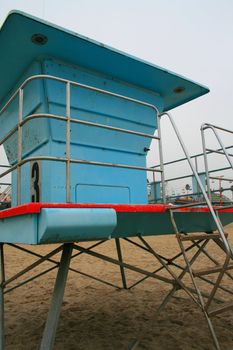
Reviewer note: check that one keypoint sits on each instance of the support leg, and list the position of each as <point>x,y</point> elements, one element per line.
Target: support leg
<point>49,334</point>
<point>119,253</point>
<point>2,280</point>
<point>212,331</point>
<point>166,300</point>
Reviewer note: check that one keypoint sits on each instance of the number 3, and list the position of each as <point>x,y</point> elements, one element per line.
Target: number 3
<point>35,176</point>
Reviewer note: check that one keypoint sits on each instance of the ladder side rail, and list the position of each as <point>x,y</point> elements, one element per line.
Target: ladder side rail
<point>208,202</point>
<point>213,128</point>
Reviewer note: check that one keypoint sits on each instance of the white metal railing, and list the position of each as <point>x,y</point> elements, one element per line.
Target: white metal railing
<point>195,194</point>
<point>213,212</point>
<point>68,120</point>
<point>223,150</point>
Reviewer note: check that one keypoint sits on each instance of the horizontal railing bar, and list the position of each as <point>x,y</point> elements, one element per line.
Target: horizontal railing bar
<point>221,178</point>
<point>79,121</point>
<point>9,134</point>
<point>200,173</point>
<point>78,161</point>
<point>45,76</point>
<point>225,207</point>
<point>8,171</point>
<point>193,156</point>
<point>4,166</point>
<point>186,205</point>
<point>178,196</point>
<point>178,178</point>
<point>9,101</point>
<point>217,170</point>
<point>217,151</point>
<point>207,126</point>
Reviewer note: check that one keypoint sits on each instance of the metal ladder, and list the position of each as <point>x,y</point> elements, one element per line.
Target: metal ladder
<point>199,241</point>
<point>206,301</point>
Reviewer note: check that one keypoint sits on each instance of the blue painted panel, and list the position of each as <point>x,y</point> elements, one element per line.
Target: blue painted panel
<point>55,90</point>
<point>97,107</point>
<point>35,132</point>
<point>87,143</point>
<point>96,144</point>
<point>87,193</point>
<point>46,179</point>
<point>73,224</point>
<point>19,229</point>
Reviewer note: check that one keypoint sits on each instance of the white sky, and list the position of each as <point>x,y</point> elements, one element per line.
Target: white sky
<point>193,38</point>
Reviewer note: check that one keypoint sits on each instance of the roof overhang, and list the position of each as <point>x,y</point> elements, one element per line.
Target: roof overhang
<point>18,50</point>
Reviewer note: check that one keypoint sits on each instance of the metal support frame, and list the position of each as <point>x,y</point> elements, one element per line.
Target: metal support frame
<point>119,253</point>
<point>171,265</point>
<point>49,334</point>
<point>221,270</point>
<point>165,264</point>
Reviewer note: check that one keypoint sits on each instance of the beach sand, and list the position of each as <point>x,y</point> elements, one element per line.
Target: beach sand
<point>95,316</point>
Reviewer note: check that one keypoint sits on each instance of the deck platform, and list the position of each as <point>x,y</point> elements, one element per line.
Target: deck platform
<point>42,223</point>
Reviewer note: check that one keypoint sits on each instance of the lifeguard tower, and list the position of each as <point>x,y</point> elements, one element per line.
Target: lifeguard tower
<point>77,119</point>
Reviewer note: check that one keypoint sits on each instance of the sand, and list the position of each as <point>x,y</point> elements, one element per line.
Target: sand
<point>95,316</point>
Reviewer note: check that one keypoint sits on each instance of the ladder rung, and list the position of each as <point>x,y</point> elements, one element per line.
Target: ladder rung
<point>194,237</point>
<point>214,269</point>
<point>221,308</point>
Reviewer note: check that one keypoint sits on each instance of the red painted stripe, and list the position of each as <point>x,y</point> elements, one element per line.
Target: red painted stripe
<point>35,208</point>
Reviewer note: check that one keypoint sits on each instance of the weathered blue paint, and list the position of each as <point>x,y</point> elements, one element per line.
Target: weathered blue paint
<point>19,229</point>
<point>73,57</point>
<point>73,224</point>
<point>70,56</point>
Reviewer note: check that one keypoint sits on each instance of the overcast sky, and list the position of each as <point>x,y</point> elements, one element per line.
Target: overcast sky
<point>193,38</point>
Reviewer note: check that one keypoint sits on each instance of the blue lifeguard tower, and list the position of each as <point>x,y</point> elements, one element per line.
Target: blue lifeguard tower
<point>77,120</point>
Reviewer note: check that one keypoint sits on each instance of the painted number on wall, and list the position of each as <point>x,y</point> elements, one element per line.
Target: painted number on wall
<point>35,182</point>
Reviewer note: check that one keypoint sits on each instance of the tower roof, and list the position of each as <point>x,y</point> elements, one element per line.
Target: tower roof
<point>24,37</point>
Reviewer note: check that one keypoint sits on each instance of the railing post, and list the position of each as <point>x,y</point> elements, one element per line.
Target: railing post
<point>205,162</point>
<point>161,158</point>
<point>19,146</point>
<point>68,142</point>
